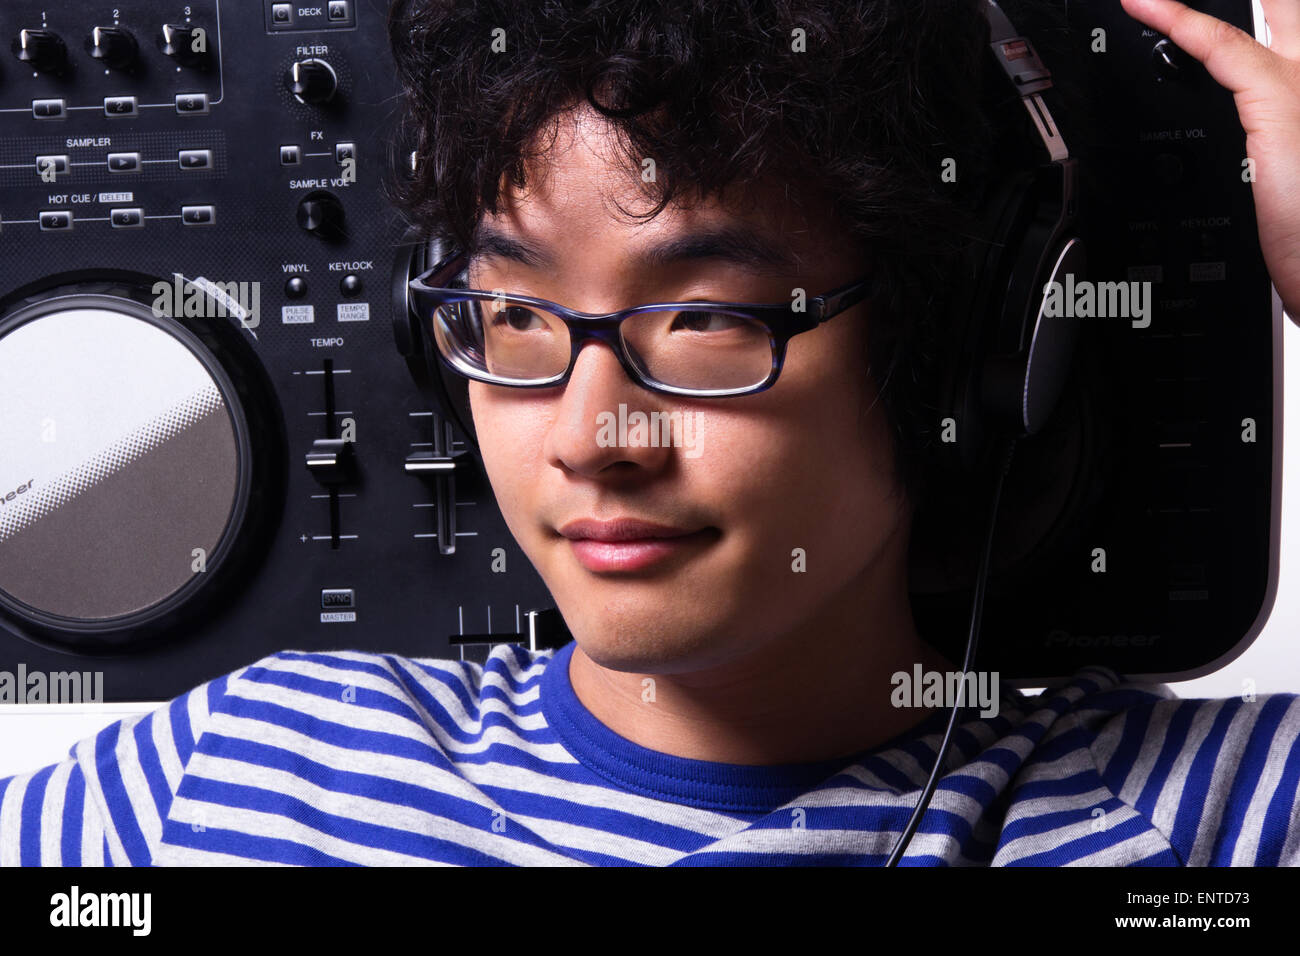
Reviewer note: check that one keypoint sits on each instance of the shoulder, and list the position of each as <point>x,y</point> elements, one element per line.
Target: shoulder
<point>1216,777</point>
<point>292,678</point>
<point>324,703</point>
<point>286,707</point>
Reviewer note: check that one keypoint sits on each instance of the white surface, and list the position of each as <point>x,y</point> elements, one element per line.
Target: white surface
<point>36,735</point>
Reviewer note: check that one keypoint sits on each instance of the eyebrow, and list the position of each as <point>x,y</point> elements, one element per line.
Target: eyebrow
<point>739,246</point>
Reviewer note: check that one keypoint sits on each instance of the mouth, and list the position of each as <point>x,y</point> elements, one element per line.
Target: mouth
<point>627,544</point>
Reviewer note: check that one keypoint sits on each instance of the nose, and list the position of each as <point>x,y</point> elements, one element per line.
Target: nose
<point>590,434</point>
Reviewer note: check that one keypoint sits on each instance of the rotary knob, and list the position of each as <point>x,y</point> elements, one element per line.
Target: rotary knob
<point>115,47</point>
<point>42,50</point>
<point>1170,62</point>
<point>186,44</point>
<point>312,81</point>
<point>321,213</point>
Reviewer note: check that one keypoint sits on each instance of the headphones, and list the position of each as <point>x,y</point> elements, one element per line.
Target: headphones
<point>1006,362</point>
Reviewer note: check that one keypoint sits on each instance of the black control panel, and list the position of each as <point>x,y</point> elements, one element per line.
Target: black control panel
<point>1141,528</point>
<point>211,448</point>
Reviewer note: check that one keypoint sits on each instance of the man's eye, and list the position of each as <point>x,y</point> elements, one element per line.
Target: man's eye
<point>696,321</point>
<point>517,318</point>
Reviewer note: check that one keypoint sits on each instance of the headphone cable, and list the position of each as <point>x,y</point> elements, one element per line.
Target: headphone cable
<point>977,612</point>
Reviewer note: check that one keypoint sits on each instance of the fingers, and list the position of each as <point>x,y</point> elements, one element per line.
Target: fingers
<point>1283,18</point>
<point>1233,57</point>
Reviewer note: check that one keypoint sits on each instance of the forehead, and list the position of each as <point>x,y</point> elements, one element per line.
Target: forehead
<point>584,188</point>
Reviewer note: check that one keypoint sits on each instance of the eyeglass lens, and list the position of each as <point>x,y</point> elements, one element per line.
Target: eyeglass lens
<point>694,349</point>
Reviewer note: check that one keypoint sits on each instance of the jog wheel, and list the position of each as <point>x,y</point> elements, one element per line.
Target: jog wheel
<point>141,460</point>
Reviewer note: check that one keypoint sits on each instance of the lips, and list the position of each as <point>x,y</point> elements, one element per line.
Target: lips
<point>629,544</point>
<point>619,529</point>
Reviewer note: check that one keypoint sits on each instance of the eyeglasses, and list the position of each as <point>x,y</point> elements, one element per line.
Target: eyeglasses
<point>699,349</point>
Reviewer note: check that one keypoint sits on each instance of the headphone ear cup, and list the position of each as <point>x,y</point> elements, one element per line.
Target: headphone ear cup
<point>446,391</point>
<point>975,320</point>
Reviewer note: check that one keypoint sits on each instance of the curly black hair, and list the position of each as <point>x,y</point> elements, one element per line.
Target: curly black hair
<point>865,99</point>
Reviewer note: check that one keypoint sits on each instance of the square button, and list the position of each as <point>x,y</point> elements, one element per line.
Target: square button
<point>338,10</point>
<point>48,109</point>
<point>47,164</point>
<point>191,104</point>
<point>290,155</point>
<point>123,162</point>
<point>344,151</point>
<point>195,158</point>
<point>132,218</point>
<point>197,215</point>
<point>120,106</point>
<point>281,13</point>
<point>337,597</point>
<point>56,220</point>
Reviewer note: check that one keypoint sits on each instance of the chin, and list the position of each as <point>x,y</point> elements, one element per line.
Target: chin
<point>645,638</point>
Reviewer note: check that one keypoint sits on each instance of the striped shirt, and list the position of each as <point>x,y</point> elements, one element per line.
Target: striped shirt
<point>352,758</point>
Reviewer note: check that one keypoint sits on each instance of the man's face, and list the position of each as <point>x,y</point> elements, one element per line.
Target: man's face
<point>787,493</point>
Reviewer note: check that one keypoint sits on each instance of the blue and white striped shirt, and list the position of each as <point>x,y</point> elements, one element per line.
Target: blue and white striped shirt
<point>352,758</point>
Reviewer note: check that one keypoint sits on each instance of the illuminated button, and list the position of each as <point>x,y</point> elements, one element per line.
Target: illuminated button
<point>290,155</point>
<point>338,10</point>
<point>48,109</point>
<point>197,215</point>
<point>126,218</point>
<point>191,104</point>
<point>120,106</point>
<point>195,158</point>
<point>123,162</point>
<point>56,220</point>
<point>58,163</point>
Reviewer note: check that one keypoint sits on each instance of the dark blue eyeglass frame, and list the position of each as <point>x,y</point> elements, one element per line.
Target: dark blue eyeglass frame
<point>429,291</point>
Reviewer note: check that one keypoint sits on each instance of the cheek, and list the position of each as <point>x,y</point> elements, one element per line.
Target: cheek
<point>508,442</point>
<point>819,475</point>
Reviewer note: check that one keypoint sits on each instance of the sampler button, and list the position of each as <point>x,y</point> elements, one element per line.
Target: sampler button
<point>120,106</point>
<point>47,109</point>
<point>195,158</point>
<point>290,155</point>
<point>59,164</point>
<point>197,215</point>
<point>295,287</point>
<point>56,220</point>
<point>127,218</point>
<point>123,162</point>
<point>191,104</point>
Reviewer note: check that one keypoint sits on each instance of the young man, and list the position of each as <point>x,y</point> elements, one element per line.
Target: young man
<point>715,706</point>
